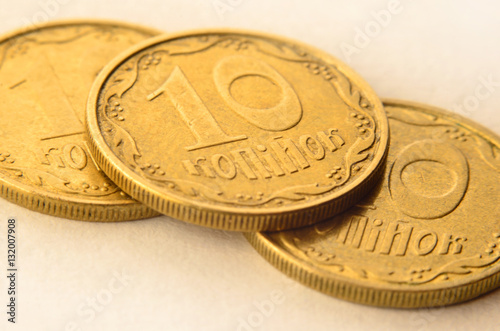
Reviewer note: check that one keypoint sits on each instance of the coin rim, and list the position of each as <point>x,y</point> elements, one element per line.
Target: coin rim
<point>51,203</point>
<point>226,217</point>
<point>381,295</point>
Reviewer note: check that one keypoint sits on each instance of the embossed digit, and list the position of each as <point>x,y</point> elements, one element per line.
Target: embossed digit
<point>200,121</point>
<point>193,111</point>
<point>286,114</point>
<point>447,168</point>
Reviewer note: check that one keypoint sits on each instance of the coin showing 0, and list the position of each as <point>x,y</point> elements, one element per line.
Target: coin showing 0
<point>235,130</point>
<point>45,75</point>
<point>429,233</point>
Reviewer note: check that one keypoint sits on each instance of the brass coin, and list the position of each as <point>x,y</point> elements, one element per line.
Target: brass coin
<point>45,76</point>
<point>429,233</point>
<point>237,130</point>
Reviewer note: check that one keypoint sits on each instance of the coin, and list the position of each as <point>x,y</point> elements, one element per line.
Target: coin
<point>45,75</point>
<point>237,130</point>
<point>429,233</point>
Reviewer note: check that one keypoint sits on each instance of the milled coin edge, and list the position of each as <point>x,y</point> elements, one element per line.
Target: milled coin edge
<point>345,289</point>
<point>50,203</point>
<point>222,217</point>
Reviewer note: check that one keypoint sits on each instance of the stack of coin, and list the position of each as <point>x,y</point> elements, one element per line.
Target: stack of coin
<point>251,132</point>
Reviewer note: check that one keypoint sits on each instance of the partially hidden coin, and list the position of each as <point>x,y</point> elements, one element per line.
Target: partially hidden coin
<point>237,130</point>
<point>429,233</point>
<point>45,76</point>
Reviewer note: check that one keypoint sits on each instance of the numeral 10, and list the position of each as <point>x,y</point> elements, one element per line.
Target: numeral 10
<point>286,114</point>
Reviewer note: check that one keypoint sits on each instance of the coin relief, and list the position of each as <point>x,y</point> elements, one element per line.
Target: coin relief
<point>237,120</point>
<point>45,77</point>
<point>425,234</point>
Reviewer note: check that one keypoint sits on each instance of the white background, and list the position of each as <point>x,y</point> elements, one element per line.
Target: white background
<point>183,277</point>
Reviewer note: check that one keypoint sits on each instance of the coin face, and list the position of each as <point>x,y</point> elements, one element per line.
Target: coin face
<point>236,130</point>
<point>429,233</point>
<point>45,77</point>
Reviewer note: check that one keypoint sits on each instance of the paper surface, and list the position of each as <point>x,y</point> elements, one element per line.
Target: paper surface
<point>163,274</point>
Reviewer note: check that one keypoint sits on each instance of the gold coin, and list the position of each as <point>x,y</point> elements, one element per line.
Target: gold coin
<point>236,130</point>
<point>45,76</point>
<point>429,233</point>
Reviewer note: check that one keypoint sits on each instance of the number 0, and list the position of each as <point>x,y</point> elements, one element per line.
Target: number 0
<point>426,207</point>
<point>284,115</point>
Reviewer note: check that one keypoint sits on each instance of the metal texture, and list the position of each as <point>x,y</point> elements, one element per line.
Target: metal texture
<point>45,75</point>
<point>237,130</point>
<point>429,233</point>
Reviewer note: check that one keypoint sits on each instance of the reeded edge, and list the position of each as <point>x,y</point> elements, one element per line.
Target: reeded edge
<point>381,296</point>
<point>349,290</point>
<point>223,217</point>
<point>80,211</point>
<point>62,206</point>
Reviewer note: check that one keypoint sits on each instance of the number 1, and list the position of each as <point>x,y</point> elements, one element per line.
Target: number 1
<point>193,111</point>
